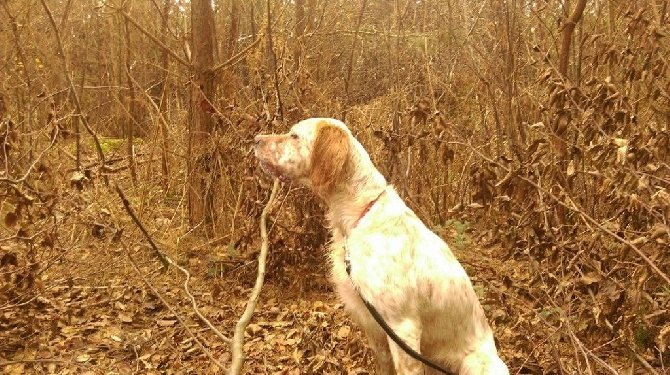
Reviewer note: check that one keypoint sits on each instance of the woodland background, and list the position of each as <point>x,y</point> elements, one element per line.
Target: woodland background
<point>534,136</point>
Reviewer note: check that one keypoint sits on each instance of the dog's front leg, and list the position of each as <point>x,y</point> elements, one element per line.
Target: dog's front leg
<point>410,333</point>
<point>376,336</point>
<point>383,357</point>
<point>377,340</point>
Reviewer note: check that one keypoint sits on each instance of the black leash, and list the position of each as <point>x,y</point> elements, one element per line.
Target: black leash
<point>389,331</point>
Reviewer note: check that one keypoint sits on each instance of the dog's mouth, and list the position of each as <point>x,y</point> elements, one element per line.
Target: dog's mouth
<point>274,171</point>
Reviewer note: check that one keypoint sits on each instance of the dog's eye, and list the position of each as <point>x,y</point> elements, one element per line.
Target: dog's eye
<point>294,136</point>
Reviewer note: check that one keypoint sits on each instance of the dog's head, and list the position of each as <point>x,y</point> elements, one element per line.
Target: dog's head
<point>316,153</point>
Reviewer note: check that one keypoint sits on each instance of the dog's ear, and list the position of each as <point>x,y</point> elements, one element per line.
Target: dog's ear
<point>331,159</point>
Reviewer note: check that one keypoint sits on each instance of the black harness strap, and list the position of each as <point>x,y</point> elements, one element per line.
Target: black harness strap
<point>389,331</point>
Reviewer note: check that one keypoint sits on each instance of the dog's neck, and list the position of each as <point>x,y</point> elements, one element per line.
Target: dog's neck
<point>352,199</point>
<point>367,209</point>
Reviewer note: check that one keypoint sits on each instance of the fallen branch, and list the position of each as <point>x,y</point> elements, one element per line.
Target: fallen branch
<point>237,347</point>
<point>644,363</point>
<point>165,261</point>
<point>172,310</point>
<point>195,305</point>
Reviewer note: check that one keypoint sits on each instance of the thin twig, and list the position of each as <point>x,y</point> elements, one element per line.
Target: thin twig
<point>589,353</point>
<point>195,306</point>
<point>645,364</point>
<point>238,56</point>
<point>237,347</point>
<point>154,39</point>
<point>34,162</point>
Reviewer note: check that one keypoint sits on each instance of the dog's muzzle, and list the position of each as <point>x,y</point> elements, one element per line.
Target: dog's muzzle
<point>260,142</point>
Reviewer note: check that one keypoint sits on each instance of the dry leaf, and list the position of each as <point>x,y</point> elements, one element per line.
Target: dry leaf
<point>125,318</point>
<point>11,219</point>
<point>571,168</point>
<point>622,150</point>
<point>166,322</point>
<point>254,328</point>
<point>343,332</point>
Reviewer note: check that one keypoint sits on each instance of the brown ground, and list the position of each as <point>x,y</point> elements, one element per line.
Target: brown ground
<point>99,316</point>
<point>90,311</point>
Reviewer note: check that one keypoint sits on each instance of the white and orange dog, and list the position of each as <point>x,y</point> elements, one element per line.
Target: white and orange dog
<point>396,263</point>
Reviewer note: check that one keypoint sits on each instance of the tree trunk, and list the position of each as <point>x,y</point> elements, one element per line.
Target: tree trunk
<point>200,163</point>
<point>233,31</point>
<point>350,63</point>
<point>568,28</point>
<point>272,63</point>
<point>300,25</point>
<point>131,118</point>
<point>163,105</point>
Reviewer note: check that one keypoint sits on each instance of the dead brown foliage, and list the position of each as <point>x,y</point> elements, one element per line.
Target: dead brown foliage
<point>552,188</point>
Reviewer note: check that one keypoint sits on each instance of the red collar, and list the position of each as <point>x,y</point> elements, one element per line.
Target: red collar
<point>367,209</point>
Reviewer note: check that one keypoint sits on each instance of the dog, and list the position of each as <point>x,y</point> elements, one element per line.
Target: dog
<point>382,252</point>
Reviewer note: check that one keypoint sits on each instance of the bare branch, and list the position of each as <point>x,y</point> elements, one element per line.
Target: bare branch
<point>75,96</point>
<point>238,339</point>
<point>155,40</point>
<point>195,305</point>
<point>34,163</point>
<point>238,56</point>
<point>166,261</point>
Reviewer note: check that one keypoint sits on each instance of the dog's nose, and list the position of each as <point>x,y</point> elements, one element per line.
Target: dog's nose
<point>258,140</point>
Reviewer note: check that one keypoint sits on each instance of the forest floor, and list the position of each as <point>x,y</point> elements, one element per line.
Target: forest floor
<point>102,321</point>
<point>95,308</point>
